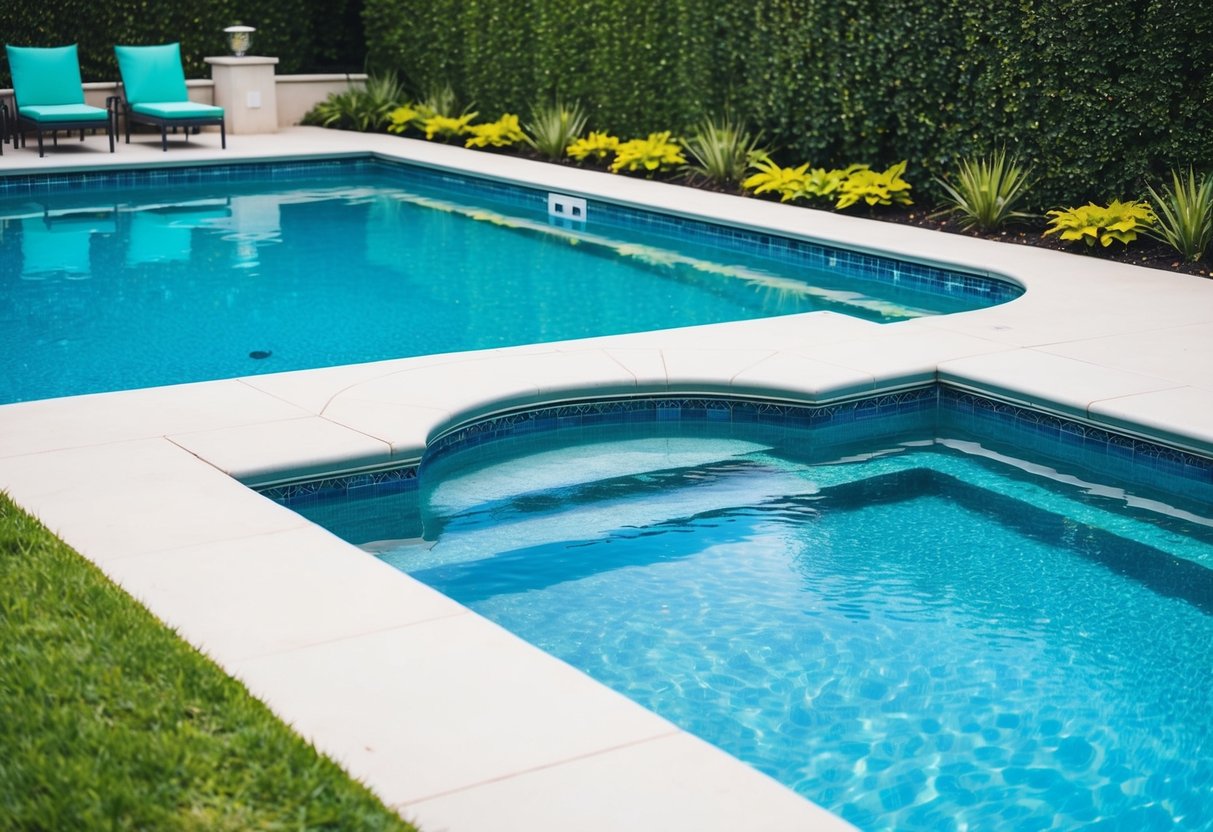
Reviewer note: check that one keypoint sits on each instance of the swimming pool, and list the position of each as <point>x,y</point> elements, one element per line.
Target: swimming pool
<point>143,278</point>
<point>913,626</point>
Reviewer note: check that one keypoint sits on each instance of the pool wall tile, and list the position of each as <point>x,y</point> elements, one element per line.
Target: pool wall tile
<point>971,290</point>
<point>939,409</point>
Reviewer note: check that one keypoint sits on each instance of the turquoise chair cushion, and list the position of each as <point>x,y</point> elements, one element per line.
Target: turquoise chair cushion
<point>178,109</point>
<point>45,75</point>
<point>152,74</point>
<point>63,112</point>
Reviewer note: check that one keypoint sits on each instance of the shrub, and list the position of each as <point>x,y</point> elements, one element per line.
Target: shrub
<point>655,152</point>
<point>503,132</point>
<point>402,118</point>
<point>447,127</point>
<point>874,187</point>
<point>1090,223</point>
<point>789,183</point>
<point>1184,214</point>
<point>554,127</point>
<point>986,191</point>
<point>365,110</point>
<point>824,184</point>
<point>722,150</point>
<point>596,145</point>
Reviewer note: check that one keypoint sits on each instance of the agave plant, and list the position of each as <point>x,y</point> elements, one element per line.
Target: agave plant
<point>553,127</point>
<point>1184,214</point>
<point>723,151</point>
<point>986,191</point>
<point>441,100</point>
<point>365,110</point>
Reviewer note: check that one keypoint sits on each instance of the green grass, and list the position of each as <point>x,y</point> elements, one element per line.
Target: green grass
<point>108,721</point>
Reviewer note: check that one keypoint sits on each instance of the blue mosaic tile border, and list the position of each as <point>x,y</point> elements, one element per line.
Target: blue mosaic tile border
<point>384,481</point>
<point>838,262</point>
<point>1108,452</point>
<point>1137,461</point>
<point>667,410</point>
<point>43,183</point>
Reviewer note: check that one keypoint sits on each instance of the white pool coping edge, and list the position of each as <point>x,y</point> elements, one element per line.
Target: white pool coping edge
<point>454,722</point>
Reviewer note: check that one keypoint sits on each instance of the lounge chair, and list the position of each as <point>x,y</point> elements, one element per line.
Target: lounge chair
<point>153,85</point>
<point>48,95</point>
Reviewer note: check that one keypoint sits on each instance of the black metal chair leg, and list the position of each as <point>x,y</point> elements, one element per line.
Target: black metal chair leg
<point>222,134</point>
<point>164,138</point>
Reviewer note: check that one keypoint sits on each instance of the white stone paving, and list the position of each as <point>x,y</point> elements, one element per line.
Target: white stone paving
<point>454,722</point>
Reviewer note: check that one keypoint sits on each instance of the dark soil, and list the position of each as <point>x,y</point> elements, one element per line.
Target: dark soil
<point>1141,252</point>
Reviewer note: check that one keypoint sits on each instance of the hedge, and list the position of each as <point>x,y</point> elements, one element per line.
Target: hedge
<point>1102,97</point>
<point>302,34</point>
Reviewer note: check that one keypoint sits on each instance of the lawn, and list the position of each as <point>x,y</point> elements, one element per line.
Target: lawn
<point>108,720</point>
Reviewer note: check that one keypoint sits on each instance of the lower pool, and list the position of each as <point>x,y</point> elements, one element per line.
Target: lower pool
<point>917,634</point>
<point>150,277</point>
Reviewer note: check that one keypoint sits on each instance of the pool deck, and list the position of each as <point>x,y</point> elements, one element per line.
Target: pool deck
<point>454,722</point>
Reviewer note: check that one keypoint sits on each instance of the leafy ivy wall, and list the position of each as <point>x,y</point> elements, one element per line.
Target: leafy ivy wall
<point>1101,96</point>
<point>302,34</point>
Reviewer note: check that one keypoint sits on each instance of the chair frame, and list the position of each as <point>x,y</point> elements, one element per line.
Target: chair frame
<point>54,127</point>
<point>129,115</point>
<point>14,125</point>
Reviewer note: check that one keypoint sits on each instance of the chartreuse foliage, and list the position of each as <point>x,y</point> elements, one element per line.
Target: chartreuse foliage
<point>771,177</point>
<point>874,187</point>
<point>986,191</point>
<point>1091,223</point>
<point>1097,95</point>
<point>657,151</point>
<point>596,146</point>
<point>842,186</point>
<point>503,132</point>
<point>447,127</point>
<point>1184,213</point>
<point>111,722</point>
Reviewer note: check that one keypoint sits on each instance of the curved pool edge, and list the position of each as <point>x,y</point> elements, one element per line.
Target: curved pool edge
<point>139,483</point>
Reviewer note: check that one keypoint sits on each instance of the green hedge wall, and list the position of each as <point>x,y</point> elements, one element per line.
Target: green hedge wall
<point>1100,96</point>
<point>302,34</point>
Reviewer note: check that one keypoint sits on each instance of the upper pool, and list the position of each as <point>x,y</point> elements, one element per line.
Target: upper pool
<point>141,278</point>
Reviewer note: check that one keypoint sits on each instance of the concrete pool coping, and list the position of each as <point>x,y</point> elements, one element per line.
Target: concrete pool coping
<point>449,719</point>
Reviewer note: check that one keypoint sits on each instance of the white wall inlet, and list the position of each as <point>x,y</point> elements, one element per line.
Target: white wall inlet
<point>565,207</point>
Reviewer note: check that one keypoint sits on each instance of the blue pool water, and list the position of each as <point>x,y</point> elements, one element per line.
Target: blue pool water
<point>931,637</point>
<point>160,280</point>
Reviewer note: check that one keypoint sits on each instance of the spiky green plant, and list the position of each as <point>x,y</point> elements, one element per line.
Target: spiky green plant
<point>1184,214</point>
<point>441,100</point>
<point>365,110</point>
<point>986,191</point>
<point>723,150</point>
<point>554,126</point>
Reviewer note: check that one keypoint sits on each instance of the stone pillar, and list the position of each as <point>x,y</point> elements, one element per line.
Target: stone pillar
<point>245,89</point>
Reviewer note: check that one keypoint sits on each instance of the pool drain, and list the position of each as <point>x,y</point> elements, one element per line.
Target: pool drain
<point>260,354</point>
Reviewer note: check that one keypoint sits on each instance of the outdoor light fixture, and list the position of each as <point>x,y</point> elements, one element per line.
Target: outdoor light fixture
<point>239,39</point>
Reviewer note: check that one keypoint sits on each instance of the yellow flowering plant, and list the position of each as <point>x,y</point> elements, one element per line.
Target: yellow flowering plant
<point>655,152</point>
<point>789,183</point>
<point>1090,223</point>
<point>402,118</point>
<point>874,187</point>
<point>597,146</point>
<point>503,132</point>
<point>447,127</point>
